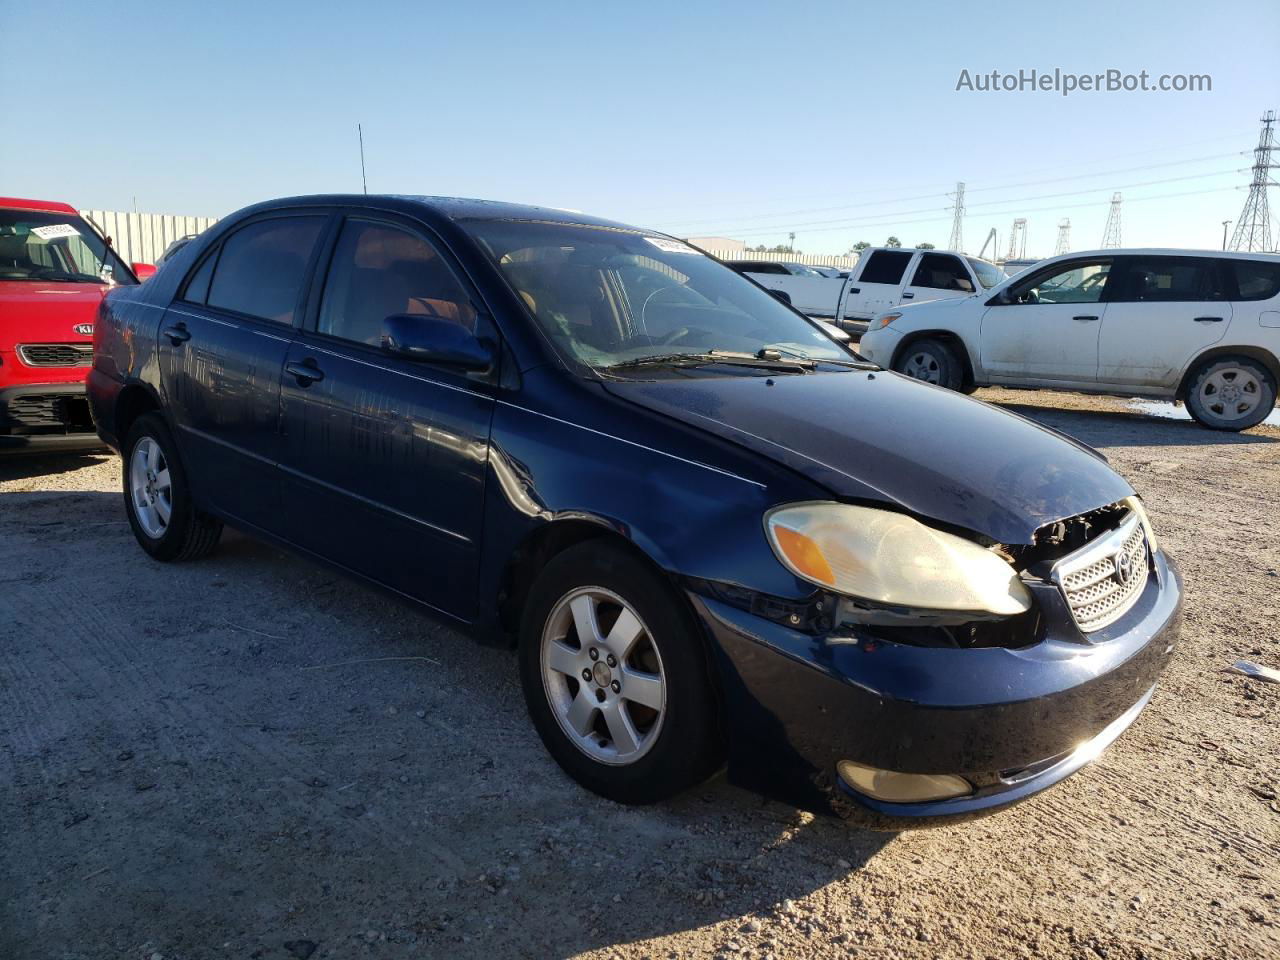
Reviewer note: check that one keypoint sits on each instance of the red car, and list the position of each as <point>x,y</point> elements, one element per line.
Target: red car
<point>54,271</point>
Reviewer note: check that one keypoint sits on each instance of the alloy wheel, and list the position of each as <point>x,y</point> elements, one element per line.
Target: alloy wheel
<point>1231,393</point>
<point>151,488</point>
<point>923,366</point>
<point>603,676</point>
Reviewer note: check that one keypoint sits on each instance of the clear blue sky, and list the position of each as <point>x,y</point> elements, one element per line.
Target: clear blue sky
<point>839,121</point>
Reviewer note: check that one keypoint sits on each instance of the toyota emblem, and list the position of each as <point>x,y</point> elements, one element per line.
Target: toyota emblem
<point>84,329</point>
<point>1124,569</point>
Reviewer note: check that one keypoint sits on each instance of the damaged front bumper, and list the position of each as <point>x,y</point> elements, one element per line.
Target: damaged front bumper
<point>1011,722</point>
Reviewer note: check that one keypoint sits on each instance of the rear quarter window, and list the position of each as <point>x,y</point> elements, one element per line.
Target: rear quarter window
<point>1256,279</point>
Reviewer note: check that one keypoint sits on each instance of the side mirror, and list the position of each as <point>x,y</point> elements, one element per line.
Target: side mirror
<point>436,340</point>
<point>143,271</point>
<point>781,295</point>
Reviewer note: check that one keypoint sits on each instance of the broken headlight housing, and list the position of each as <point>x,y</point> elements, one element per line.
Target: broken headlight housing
<point>893,568</point>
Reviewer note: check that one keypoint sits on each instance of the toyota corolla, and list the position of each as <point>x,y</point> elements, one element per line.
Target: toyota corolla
<point>614,453</point>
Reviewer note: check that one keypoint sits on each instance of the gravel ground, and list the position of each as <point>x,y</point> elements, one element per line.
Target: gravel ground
<point>250,756</point>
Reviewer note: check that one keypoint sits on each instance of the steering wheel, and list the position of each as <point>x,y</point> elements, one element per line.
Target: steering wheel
<point>675,336</point>
<point>649,299</point>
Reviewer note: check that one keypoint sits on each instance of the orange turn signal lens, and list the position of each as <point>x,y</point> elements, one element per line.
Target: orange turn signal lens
<point>804,555</point>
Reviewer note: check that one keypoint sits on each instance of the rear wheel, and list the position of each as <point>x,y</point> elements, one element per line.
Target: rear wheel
<point>1231,393</point>
<point>165,521</point>
<point>932,361</point>
<point>615,676</point>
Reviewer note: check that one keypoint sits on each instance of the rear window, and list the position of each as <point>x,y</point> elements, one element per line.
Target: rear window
<point>886,266</point>
<point>1256,279</point>
<point>751,266</point>
<point>262,267</point>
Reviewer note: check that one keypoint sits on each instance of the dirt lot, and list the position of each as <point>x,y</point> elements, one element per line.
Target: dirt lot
<point>250,756</point>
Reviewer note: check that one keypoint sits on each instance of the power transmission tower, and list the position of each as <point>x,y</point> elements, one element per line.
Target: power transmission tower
<point>1253,228</point>
<point>1017,239</point>
<point>1064,237</point>
<point>957,223</point>
<point>1111,235</point>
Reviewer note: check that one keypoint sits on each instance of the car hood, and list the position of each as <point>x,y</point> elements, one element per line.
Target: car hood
<point>947,303</point>
<point>32,311</point>
<point>882,437</point>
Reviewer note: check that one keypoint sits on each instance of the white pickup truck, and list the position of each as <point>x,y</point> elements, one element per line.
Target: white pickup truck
<point>883,278</point>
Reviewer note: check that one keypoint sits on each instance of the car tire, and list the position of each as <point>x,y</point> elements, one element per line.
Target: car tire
<point>636,721</point>
<point>157,498</point>
<point>1231,393</point>
<point>931,361</point>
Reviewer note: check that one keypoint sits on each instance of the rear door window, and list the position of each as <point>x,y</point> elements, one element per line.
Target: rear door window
<point>886,266</point>
<point>263,266</point>
<point>942,272</point>
<point>1170,280</point>
<point>1256,279</point>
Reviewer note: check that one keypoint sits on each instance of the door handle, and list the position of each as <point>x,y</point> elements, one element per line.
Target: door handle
<point>1086,318</point>
<point>306,373</point>
<point>1208,319</point>
<point>177,333</point>
<point>854,290</point>
<point>908,296</point>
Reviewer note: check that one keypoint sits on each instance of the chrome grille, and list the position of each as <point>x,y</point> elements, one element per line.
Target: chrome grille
<point>56,354</point>
<point>1105,577</point>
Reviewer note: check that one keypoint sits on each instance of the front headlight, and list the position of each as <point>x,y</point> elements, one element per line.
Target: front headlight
<point>889,558</point>
<point>885,319</point>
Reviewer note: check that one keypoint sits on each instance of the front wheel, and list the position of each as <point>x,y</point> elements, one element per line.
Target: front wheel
<point>615,676</point>
<point>165,521</point>
<point>933,362</point>
<point>1231,393</point>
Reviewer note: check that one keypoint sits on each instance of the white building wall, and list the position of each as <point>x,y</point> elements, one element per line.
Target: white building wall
<point>142,237</point>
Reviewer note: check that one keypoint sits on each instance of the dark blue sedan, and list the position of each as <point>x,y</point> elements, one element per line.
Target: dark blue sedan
<point>713,534</point>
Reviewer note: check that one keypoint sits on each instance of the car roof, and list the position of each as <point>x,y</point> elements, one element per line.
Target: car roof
<point>1161,252</point>
<point>455,208</point>
<point>17,203</point>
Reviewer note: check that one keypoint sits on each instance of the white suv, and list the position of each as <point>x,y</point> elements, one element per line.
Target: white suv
<point>1201,327</point>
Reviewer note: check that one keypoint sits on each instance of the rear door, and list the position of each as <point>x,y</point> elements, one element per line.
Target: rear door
<point>938,276</point>
<point>222,345</point>
<point>1163,312</point>
<point>1049,330</point>
<point>878,283</point>
<point>383,458</point>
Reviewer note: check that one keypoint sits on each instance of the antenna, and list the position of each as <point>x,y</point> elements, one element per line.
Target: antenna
<point>1064,237</point>
<point>957,223</point>
<point>1253,227</point>
<point>1111,234</point>
<point>363,182</point>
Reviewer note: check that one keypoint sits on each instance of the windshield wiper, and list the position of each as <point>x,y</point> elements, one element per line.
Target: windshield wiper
<point>770,359</point>
<point>853,364</point>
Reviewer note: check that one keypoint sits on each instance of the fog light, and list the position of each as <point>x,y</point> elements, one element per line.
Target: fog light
<point>894,787</point>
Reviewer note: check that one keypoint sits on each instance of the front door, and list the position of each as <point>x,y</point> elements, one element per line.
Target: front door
<point>383,458</point>
<point>1048,331</point>
<point>222,345</point>
<point>1163,312</point>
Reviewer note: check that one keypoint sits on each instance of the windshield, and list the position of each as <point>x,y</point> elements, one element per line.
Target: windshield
<point>60,247</point>
<point>607,296</point>
<point>988,274</point>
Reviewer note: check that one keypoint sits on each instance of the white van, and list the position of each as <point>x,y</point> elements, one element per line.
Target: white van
<point>1201,327</point>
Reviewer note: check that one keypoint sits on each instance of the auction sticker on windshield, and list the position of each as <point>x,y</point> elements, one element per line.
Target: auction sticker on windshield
<point>670,246</point>
<point>54,230</point>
